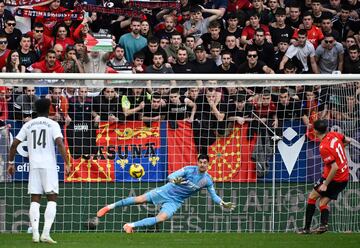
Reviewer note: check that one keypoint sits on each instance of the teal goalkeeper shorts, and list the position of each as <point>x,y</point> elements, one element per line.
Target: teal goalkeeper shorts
<point>168,206</point>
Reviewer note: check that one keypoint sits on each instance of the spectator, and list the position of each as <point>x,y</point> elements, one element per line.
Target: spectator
<point>40,43</point>
<point>149,50</point>
<point>215,52</point>
<point>164,42</point>
<point>260,10</point>
<point>12,34</point>
<point>133,103</point>
<point>318,12</point>
<point>352,62</point>
<point>169,29</point>
<point>330,55</point>
<point>313,33</point>
<point>4,52</point>
<point>49,65</point>
<point>118,63</point>
<point>4,14</point>
<point>201,63</point>
<point>13,63</point>
<point>175,44</point>
<point>138,63</point>
<point>59,107</point>
<point>71,64</point>
<point>233,27</point>
<point>97,62</point>
<point>145,29</point>
<point>227,65</point>
<point>158,65</point>
<point>343,24</point>
<point>190,42</point>
<point>107,107</point>
<point>287,108</point>
<point>153,110</point>
<point>3,104</point>
<point>214,35</point>
<point>253,65</point>
<point>132,42</point>
<point>327,28</point>
<point>81,132</point>
<point>303,51</point>
<point>282,46</point>
<point>248,32</point>
<point>197,25</point>
<point>59,52</point>
<point>264,49</point>
<point>182,64</point>
<point>177,108</point>
<point>238,56</point>
<point>62,37</point>
<point>24,105</point>
<point>294,19</point>
<point>27,56</point>
<point>280,29</point>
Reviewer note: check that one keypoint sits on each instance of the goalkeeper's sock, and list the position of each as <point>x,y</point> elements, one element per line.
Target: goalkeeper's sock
<point>50,213</point>
<point>34,214</point>
<point>124,202</point>
<point>324,215</point>
<point>145,222</point>
<point>310,210</point>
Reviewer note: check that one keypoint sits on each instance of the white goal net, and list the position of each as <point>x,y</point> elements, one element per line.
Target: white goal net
<point>256,129</point>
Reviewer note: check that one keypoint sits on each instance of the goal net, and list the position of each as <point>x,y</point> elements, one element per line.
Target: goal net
<point>256,129</point>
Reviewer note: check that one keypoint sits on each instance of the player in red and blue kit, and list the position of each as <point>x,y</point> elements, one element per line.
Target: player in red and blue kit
<point>334,178</point>
<point>182,184</point>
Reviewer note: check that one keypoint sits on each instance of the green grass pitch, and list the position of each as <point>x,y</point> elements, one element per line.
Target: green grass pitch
<point>196,240</point>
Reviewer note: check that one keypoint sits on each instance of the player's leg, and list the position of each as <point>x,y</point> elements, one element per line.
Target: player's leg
<point>310,210</point>
<point>324,215</point>
<point>51,188</point>
<point>124,202</point>
<point>167,211</point>
<point>35,190</point>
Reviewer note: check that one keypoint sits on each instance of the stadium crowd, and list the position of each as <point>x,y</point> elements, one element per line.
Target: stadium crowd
<point>219,36</point>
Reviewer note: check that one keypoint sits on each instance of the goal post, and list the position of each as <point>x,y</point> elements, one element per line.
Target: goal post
<point>256,129</point>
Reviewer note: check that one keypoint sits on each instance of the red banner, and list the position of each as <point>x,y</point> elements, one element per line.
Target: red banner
<point>118,145</point>
<point>230,157</point>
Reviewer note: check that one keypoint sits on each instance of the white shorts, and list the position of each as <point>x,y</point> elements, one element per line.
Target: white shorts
<point>43,180</point>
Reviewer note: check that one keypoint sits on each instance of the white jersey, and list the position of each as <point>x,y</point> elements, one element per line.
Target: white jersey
<point>41,134</point>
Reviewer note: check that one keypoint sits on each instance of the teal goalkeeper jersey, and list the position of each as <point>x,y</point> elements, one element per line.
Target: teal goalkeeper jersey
<point>193,182</point>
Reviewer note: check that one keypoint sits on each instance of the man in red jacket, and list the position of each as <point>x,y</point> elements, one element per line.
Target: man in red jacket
<point>49,65</point>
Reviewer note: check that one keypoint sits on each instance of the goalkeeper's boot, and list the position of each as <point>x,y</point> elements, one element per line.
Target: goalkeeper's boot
<point>103,211</point>
<point>304,231</point>
<point>47,239</point>
<point>128,229</point>
<point>321,229</point>
<point>36,237</point>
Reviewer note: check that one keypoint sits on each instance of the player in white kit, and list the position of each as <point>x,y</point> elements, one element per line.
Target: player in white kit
<point>41,134</point>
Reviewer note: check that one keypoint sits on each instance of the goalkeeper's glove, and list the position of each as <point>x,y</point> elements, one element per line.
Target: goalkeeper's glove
<point>227,205</point>
<point>177,180</point>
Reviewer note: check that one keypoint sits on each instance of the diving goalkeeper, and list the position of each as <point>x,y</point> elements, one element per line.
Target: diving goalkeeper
<point>182,184</point>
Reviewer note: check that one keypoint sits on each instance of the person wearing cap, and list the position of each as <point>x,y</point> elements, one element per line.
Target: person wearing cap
<point>197,25</point>
<point>280,29</point>
<point>201,63</point>
<point>175,44</point>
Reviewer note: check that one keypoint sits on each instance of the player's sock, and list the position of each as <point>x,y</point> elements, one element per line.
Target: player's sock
<point>145,222</point>
<point>324,216</point>
<point>50,213</point>
<point>34,213</point>
<point>310,210</point>
<point>124,202</point>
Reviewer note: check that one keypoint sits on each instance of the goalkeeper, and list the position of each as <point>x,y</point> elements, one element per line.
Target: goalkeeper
<point>182,184</point>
